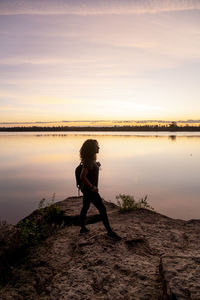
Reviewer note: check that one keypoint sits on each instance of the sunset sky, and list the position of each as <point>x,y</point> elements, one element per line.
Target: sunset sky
<point>99,60</point>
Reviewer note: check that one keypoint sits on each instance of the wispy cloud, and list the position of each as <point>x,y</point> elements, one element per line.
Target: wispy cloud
<point>12,61</point>
<point>92,7</point>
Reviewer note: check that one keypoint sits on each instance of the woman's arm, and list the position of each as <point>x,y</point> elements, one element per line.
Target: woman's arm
<point>84,179</point>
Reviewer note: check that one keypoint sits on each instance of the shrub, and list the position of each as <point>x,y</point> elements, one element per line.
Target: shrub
<point>128,203</point>
<point>48,219</point>
<point>30,232</point>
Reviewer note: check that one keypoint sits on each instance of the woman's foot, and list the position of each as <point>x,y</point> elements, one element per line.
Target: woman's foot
<point>114,235</point>
<point>83,230</point>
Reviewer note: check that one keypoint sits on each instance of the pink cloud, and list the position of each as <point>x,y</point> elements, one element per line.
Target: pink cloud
<point>92,7</point>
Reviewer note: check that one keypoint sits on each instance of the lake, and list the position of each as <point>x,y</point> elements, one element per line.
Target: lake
<point>162,165</point>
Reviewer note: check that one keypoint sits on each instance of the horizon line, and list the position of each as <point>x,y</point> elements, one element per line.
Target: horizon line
<point>104,120</point>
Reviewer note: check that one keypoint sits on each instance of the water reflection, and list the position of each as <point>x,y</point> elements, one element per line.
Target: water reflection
<point>34,166</point>
<point>172,137</point>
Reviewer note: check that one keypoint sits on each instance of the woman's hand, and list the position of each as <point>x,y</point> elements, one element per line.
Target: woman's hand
<point>95,189</point>
<point>84,179</point>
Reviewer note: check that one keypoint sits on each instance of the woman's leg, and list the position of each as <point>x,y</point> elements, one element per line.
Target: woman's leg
<point>98,203</point>
<point>83,213</point>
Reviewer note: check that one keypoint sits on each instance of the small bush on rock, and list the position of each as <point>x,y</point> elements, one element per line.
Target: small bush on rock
<point>128,203</point>
<point>48,219</point>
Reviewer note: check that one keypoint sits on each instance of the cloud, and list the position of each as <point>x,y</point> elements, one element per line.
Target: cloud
<point>12,61</point>
<point>92,7</point>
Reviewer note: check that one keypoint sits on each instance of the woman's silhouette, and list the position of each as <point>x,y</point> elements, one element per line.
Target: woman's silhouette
<point>89,178</point>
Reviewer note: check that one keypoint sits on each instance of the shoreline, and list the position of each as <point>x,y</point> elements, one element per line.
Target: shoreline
<point>103,128</point>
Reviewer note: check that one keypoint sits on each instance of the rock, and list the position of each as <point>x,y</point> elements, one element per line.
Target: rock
<point>9,245</point>
<point>157,258</point>
<point>181,276</point>
<point>72,207</point>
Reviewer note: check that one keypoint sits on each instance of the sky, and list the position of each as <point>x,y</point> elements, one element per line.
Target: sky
<point>99,60</point>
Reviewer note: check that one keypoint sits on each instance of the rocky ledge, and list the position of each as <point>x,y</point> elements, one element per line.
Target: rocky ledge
<point>157,258</point>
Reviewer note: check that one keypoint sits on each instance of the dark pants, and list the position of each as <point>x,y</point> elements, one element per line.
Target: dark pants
<point>94,198</point>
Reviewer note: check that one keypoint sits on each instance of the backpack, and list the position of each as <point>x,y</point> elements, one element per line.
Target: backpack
<point>79,183</point>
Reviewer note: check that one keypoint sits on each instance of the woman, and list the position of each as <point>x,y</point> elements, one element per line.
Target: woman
<point>89,178</point>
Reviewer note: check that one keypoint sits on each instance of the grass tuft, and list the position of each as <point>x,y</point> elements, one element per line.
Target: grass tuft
<point>48,220</point>
<point>128,203</point>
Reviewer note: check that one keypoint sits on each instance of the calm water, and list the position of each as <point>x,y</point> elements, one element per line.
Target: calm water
<point>164,167</point>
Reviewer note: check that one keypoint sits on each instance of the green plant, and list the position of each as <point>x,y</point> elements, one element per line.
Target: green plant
<point>50,211</point>
<point>44,203</point>
<point>3,223</point>
<point>128,203</point>
<point>49,218</point>
<point>30,232</point>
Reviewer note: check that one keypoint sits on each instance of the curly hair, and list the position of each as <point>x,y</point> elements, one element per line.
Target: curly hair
<point>88,149</point>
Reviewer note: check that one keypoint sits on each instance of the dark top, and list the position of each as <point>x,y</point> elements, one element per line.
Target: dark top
<point>92,175</point>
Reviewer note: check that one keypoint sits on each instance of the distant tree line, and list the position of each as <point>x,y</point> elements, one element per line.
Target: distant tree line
<point>171,127</point>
